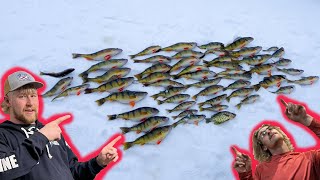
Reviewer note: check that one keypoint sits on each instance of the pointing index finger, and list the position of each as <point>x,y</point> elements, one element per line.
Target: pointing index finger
<point>284,103</point>
<point>114,141</point>
<point>236,151</point>
<point>61,119</point>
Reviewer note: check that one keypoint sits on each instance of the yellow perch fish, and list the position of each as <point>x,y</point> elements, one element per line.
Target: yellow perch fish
<point>205,83</point>
<point>199,75</point>
<point>189,70</point>
<point>58,87</point>
<point>255,60</point>
<point>166,83</point>
<point>179,98</point>
<point>155,136</point>
<point>154,77</point>
<point>185,62</point>
<point>215,108</point>
<point>284,90</point>
<point>305,80</point>
<point>238,84</point>
<point>77,90</point>
<point>126,97</point>
<point>188,53</point>
<point>180,46</point>
<point>246,52</point>
<point>170,92</point>
<point>154,59</point>
<point>140,114</point>
<point>271,49</point>
<point>211,90</point>
<point>291,71</point>
<point>185,113</point>
<point>243,92</point>
<point>116,85</point>
<point>154,68</point>
<point>212,45</point>
<point>238,43</point>
<point>147,125</point>
<point>102,55</point>
<point>278,53</point>
<point>193,119</point>
<point>104,65</point>
<point>148,50</point>
<point>270,81</point>
<point>109,75</point>
<point>214,101</point>
<point>183,106</point>
<point>248,100</point>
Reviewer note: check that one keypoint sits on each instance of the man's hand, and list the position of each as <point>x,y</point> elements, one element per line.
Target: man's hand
<point>52,130</point>
<point>108,153</point>
<point>242,162</point>
<point>297,113</point>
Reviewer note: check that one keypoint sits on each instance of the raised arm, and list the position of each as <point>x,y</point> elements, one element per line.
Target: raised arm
<point>298,113</point>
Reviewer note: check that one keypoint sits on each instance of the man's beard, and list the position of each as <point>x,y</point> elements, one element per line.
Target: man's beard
<point>24,119</point>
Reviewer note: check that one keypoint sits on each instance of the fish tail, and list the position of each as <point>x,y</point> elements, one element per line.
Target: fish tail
<point>137,61</point>
<point>195,97</point>
<point>256,87</point>
<point>85,80</point>
<point>75,55</point>
<point>155,96</point>
<point>112,117</point>
<point>132,56</point>
<point>88,91</point>
<point>238,105</point>
<point>200,108</point>
<point>125,130</point>
<point>174,117</point>
<point>55,98</point>
<point>138,76</point>
<point>177,123</point>
<point>127,145</point>
<point>228,98</point>
<point>208,120</point>
<point>169,110</point>
<point>175,77</point>
<point>100,101</point>
<point>83,74</point>
<point>290,81</point>
<point>200,104</point>
<point>42,73</point>
<point>159,102</point>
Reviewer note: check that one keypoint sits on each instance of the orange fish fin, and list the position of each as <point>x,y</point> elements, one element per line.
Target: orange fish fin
<point>158,142</point>
<point>186,48</point>
<point>78,92</point>
<point>107,57</point>
<point>278,84</point>
<point>89,59</point>
<point>120,89</point>
<point>132,103</point>
<point>138,131</point>
<point>199,68</point>
<point>204,77</point>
